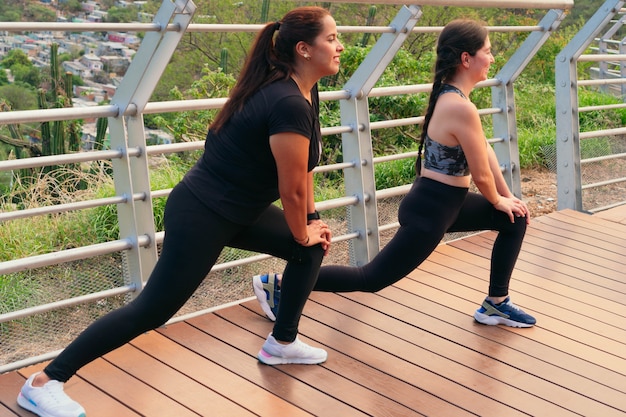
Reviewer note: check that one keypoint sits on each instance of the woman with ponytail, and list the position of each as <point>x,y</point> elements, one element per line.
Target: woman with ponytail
<point>455,152</point>
<point>261,147</point>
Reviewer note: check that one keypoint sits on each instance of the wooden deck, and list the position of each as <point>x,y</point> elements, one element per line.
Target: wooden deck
<point>411,349</point>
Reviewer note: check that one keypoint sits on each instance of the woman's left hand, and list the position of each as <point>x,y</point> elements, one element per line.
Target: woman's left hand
<point>320,230</point>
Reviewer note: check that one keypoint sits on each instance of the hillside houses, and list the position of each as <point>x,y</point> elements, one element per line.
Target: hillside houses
<point>98,56</point>
<point>110,53</point>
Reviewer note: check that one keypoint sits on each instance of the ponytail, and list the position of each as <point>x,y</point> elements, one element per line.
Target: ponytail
<point>256,71</point>
<point>461,35</point>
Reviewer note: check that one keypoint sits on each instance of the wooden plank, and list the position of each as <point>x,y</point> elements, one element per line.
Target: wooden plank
<point>586,224</point>
<point>173,384</point>
<point>95,402</point>
<point>569,238</point>
<point>499,345</point>
<point>309,376</point>
<point>596,271</point>
<point>441,357</point>
<point>611,347</point>
<point>216,377</point>
<point>6,412</point>
<point>245,364</point>
<point>547,272</point>
<point>133,393</point>
<point>426,369</point>
<point>616,214</point>
<point>566,307</point>
<point>563,270</point>
<point>395,381</point>
<point>591,269</point>
<point>410,349</point>
<point>355,395</point>
<point>570,339</point>
<point>10,384</point>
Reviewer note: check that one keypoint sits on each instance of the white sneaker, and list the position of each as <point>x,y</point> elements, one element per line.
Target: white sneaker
<point>49,400</point>
<point>273,353</point>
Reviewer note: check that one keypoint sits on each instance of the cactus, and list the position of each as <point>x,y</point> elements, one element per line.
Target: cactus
<point>265,9</point>
<point>224,60</point>
<point>57,137</point>
<point>369,22</point>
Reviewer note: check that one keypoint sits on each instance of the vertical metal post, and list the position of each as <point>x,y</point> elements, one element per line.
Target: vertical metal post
<point>503,96</point>
<point>131,173</point>
<point>357,144</point>
<point>569,182</point>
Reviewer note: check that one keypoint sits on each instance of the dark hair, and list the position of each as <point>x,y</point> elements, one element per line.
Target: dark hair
<point>272,58</point>
<point>458,36</point>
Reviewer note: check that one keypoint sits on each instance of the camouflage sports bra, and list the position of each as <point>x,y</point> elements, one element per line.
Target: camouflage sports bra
<point>448,160</point>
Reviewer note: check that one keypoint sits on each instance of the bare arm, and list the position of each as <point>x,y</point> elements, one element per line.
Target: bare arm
<point>291,152</point>
<point>484,165</point>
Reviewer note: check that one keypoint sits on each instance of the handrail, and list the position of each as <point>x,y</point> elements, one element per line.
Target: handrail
<point>509,4</point>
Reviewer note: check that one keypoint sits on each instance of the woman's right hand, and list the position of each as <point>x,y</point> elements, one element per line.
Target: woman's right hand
<point>513,207</point>
<point>319,233</point>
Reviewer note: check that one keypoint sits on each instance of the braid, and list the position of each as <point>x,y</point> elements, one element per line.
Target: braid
<point>429,113</point>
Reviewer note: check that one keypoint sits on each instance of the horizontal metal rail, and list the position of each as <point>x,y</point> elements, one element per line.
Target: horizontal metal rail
<point>14,315</point>
<point>67,255</point>
<point>603,132</point>
<point>603,183</point>
<point>603,158</point>
<point>601,81</point>
<point>509,4</point>
<point>604,107</point>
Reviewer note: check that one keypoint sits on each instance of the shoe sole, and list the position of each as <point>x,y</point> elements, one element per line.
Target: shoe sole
<point>495,320</point>
<point>268,359</point>
<point>27,405</point>
<point>261,295</point>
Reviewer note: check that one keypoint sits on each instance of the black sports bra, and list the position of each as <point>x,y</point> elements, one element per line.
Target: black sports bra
<point>448,160</point>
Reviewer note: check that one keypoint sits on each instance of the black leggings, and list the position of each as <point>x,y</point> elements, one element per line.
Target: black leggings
<point>426,213</point>
<point>194,238</point>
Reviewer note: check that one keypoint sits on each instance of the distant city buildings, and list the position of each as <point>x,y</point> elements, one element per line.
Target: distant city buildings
<point>96,52</point>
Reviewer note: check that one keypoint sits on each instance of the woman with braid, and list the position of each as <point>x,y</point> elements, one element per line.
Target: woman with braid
<point>455,151</point>
<point>262,146</point>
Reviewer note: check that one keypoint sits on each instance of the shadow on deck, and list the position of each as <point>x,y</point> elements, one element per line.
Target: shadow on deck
<point>411,349</point>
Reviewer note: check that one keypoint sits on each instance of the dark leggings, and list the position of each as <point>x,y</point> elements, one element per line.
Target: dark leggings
<point>426,213</point>
<point>194,238</point>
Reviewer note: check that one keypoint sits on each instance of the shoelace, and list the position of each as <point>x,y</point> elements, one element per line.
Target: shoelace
<point>513,306</point>
<point>55,392</point>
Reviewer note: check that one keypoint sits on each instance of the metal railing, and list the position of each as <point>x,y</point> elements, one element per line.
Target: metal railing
<point>572,166</point>
<point>136,250</point>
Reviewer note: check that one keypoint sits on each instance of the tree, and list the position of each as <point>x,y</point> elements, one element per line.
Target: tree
<point>37,13</point>
<point>18,97</point>
<point>14,57</point>
<point>121,14</point>
<point>4,78</point>
<point>26,74</point>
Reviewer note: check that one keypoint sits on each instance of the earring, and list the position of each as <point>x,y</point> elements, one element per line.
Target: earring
<point>307,57</point>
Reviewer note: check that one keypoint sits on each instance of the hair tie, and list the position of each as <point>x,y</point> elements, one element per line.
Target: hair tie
<point>276,26</point>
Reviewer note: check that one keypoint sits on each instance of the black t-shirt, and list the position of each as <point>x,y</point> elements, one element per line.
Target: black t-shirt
<point>236,176</point>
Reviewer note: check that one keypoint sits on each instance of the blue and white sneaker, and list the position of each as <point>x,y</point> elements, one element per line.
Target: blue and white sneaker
<point>505,313</point>
<point>49,400</point>
<point>267,291</point>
